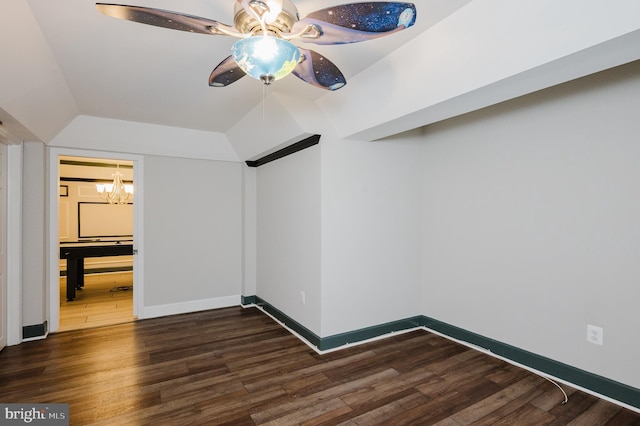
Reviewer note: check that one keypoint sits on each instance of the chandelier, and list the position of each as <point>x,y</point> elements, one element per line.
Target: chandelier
<point>116,192</point>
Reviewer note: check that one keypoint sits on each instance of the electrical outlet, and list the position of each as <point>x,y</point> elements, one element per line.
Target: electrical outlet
<point>595,335</point>
<point>303,298</point>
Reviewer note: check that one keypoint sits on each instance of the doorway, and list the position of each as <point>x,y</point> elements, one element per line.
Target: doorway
<point>80,217</point>
<point>94,230</point>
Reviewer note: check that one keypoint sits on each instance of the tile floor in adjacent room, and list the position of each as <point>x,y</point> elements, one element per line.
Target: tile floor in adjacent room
<point>101,302</point>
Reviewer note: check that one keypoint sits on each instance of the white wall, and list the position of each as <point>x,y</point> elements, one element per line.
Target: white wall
<point>193,231</point>
<point>32,89</point>
<point>340,221</point>
<point>86,132</point>
<point>531,222</point>
<point>33,234</point>
<point>486,52</point>
<point>370,232</point>
<point>288,243</point>
<point>250,237</point>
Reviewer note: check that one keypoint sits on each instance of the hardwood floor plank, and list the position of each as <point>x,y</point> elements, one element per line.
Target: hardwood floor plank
<point>237,366</point>
<point>312,414</point>
<point>450,381</point>
<point>371,395</point>
<point>447,422</point>
<point>362,408</point>
<point>224,405</point>
<point>319,367</point>
<point>389,413</point>
<point>624,418</point>
<point>435,410</point>
<point>407,359</point>
<point>488,404</point>
<point>303,384</point>
<point>597,414</point>
<point>520,411</point>
<point>525,415</point>
<point>319,397</point>
<point>550,399</point>
<point>579,402</point>
<point>509,373</point>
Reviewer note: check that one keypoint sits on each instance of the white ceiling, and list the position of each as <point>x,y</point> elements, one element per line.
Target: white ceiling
<point>66,70</point>
<point>126,70</point>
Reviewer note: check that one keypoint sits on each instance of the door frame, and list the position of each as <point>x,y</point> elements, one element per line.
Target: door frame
<point>4,245</point>
<point>53,251</point>
<point>14,239</point>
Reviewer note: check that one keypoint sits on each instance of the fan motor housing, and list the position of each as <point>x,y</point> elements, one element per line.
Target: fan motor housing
<point>247,24</point>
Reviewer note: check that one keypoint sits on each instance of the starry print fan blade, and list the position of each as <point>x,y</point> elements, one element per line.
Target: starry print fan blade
<point>166,19</point>
<point>356,22</point>
<point>225,73</point>
<point>318,71</point>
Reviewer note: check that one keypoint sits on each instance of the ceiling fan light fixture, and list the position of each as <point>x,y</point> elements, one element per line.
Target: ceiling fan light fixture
<point>274,9</point>
<point>266,58</point>
<point>265,28</point>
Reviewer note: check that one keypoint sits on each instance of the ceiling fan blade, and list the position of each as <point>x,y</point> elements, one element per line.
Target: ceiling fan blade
<point>355,22</point>
<point>167,19</point>
<point>225,73</point>
<point>318,71</point>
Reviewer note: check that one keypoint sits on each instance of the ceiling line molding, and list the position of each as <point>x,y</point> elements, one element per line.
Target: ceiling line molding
<point>95,164</point>
<point>291,149</point>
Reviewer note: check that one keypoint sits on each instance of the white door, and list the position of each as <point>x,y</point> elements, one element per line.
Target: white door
<point>3,245</point>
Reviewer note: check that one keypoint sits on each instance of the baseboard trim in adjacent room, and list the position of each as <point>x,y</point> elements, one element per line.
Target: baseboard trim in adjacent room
<point>602,387</point>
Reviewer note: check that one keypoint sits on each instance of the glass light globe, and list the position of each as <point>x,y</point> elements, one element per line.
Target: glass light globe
<point>265,58</point>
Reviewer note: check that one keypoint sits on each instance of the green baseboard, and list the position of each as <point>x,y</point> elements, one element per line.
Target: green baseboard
<point>248,300</point>
<point>593,382</point>
<point>601,385</point>
<point>36,330</point>
<point>337,340</point>
<point>307,334</point>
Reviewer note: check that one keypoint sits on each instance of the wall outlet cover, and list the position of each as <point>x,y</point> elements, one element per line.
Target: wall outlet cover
<point>595,335</point>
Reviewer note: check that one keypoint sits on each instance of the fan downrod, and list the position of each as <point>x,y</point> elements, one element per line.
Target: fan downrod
<point>249,25</point>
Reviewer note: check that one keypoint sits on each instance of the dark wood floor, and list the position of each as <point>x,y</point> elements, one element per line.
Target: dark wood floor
<point>237,366</point>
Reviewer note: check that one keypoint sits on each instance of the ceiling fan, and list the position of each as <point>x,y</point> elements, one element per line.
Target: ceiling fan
<point>265,29</point>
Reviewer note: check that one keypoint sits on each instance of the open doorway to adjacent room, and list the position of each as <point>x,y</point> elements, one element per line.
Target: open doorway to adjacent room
<point>95,235</point>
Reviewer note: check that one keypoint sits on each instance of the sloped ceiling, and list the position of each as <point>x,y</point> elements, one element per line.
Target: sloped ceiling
<point>70,61</point>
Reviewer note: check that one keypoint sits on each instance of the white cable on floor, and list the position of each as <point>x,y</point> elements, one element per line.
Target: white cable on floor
<point>488,352</point>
